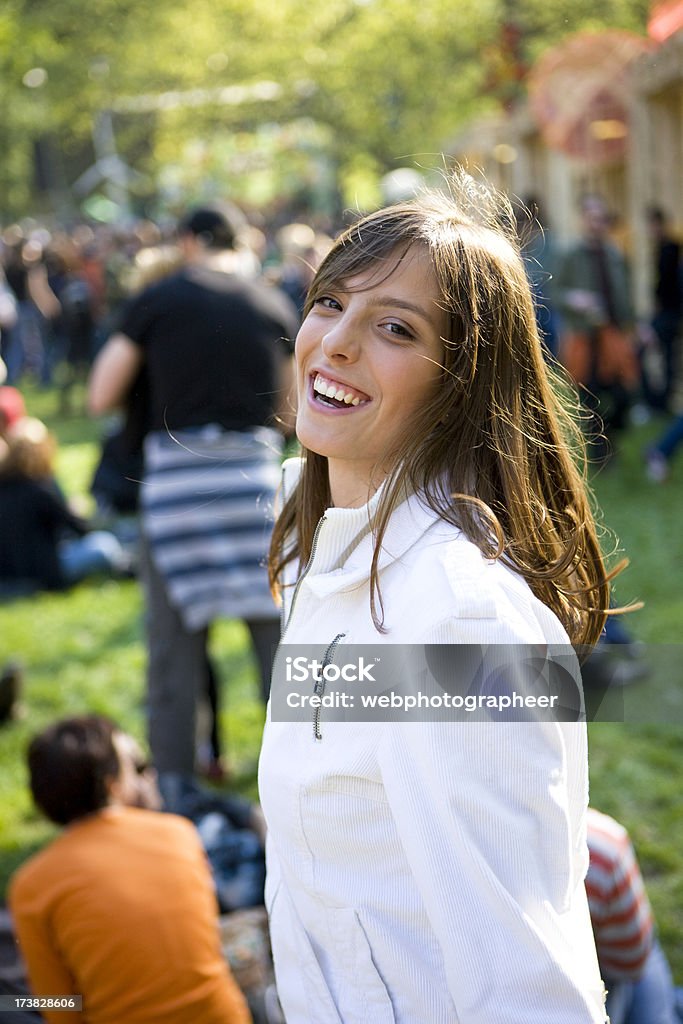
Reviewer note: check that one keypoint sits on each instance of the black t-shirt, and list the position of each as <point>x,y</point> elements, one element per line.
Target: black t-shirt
<point>669,283</point>
<point>33,518</point>
<point>213,345</point>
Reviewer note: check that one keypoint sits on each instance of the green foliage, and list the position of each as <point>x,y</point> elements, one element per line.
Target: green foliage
<point>389,79</point>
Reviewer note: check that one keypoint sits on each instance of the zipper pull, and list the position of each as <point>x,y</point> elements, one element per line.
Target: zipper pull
<point>319,687</point>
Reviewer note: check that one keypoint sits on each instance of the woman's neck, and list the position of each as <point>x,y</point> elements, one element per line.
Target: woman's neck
<point>350,488</point>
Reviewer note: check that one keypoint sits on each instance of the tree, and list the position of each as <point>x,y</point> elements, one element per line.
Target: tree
<point>388,80</point>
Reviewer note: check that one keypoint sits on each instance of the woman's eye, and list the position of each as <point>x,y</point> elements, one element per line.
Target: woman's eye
<point>327,302</point>
<point>399,329</point>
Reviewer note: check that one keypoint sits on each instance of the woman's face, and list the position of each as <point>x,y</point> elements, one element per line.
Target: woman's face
<point>368,356</point>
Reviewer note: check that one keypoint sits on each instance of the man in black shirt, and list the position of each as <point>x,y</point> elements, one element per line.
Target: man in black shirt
<point>216,345</point>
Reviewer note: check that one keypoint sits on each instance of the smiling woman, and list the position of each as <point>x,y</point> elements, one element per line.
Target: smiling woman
<point>368,358</point>
<point>430,870</point>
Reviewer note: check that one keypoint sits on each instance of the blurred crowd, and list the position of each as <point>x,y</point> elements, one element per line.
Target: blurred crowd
<point>61,291</point>
<point>64,293</point>
<point>627,367</point>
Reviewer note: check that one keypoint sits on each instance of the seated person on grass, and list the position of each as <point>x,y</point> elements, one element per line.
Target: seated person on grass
<point>44,545</point>
<point>634,968</point>
<point>120,908</point>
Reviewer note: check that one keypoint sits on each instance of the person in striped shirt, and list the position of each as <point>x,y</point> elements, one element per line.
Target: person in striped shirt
<point>633,965</point>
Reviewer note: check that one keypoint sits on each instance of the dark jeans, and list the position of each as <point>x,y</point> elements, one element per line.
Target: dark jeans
<point>650,1000</point>
<point>179,672</point>
<point>607,406</point>
<point>8,988</point>
<point>665,325</point>
<point>670,440</point>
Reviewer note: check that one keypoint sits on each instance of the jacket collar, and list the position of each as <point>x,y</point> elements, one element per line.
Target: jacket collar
<point>344,545</point>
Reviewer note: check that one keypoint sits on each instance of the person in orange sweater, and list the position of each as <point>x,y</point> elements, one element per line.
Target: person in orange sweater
<point>119,908</point>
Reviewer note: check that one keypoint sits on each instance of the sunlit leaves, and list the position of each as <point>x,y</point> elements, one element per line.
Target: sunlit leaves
<point>391,80</point>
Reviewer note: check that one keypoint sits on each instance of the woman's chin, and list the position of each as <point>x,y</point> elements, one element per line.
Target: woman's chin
<point>314,440</point>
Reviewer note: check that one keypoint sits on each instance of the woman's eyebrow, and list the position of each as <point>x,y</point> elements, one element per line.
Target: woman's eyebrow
<point>391,300</point>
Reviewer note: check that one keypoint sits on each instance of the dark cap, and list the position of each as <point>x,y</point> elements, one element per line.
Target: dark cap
<point>217,227</point>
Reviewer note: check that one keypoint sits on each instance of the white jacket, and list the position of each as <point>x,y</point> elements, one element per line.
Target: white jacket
<point>425,873</point>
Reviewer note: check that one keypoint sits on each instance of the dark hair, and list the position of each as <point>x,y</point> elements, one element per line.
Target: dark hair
<point>656,215</point>
<point>217,227</point>
<point>494,451</point>
<point>70,764</point>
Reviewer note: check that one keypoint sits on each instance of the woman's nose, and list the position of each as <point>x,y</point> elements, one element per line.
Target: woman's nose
<point>341,342</point>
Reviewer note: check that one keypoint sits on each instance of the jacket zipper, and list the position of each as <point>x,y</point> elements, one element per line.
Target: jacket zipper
<point>303,576</point>
<point>319,687</point>
<point>329,653</point>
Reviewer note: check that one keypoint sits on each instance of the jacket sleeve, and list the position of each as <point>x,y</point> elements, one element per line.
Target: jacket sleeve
<point>491,816</point>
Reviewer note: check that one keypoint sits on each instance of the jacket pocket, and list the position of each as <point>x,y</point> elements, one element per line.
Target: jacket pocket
<point>302,988</point>
<point>362,995</point>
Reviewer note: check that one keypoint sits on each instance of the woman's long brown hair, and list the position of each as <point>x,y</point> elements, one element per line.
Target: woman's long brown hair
<point>497,451</point>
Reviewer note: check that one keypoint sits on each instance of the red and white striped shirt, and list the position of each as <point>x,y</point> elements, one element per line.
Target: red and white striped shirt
<point>620,911</point>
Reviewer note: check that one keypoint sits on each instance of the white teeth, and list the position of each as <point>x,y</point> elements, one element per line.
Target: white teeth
<point>322,387</point>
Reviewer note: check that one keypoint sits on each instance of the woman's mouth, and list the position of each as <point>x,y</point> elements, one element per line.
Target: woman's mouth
<point>336,395</point>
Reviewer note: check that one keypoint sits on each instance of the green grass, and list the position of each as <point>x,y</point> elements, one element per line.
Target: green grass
<point>635,769</point>
<point>84,650</point>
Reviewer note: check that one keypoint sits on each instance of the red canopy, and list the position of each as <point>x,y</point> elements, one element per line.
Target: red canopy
<point>665,19</point>
<point>578,93</point>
